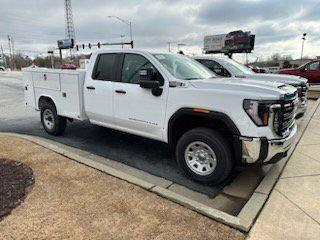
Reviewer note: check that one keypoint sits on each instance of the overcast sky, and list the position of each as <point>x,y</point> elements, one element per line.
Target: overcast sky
<point>37,24</point>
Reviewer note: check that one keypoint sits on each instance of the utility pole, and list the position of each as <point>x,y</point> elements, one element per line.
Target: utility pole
<point>303,39</point>
<point>169,46</point>
<point>13,54</point>
<point>10,54</point>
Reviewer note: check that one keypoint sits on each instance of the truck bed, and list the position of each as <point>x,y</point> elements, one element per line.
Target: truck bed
<point>64,87</point>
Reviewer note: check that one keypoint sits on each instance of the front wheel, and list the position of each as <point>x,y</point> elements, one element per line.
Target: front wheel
<point>205,155</point>
<point>51,122</point>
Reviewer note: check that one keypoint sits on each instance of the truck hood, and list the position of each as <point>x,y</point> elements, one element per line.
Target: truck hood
<point>245,86</point>
<point>280,78</point>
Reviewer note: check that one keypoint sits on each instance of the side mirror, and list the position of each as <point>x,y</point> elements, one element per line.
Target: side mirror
<point>302,69</point>
<point>149,79</point>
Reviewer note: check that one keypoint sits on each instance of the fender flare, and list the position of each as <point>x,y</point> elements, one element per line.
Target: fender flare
<point>214,115</point>
<point>211,115</point>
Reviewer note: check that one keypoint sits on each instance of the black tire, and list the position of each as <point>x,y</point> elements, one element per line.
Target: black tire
<point>220,147</point>
<point>59,123</point>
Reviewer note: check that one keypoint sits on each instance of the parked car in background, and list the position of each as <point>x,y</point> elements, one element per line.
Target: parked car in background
<point>310,71</point>
<point>256,69</point>
<point>211,123</point>
<point>227,67</point>
<point>2,68</point>
<point>69,67</point>
<point>272,69</point>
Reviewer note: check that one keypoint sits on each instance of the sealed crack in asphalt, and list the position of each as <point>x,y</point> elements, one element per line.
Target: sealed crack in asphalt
<point>15,180</point>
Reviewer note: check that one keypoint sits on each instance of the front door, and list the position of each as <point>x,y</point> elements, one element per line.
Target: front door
<point>312,72</point>
<point>98,89</point>
<point>136,109</point>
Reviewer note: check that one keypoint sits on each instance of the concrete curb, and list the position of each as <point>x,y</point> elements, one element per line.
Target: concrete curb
<point>243,221</point>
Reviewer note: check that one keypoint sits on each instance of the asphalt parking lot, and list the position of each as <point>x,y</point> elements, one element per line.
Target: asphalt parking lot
<point>147,155</point>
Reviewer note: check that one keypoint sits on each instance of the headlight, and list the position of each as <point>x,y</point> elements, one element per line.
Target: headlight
<point>258,111</point>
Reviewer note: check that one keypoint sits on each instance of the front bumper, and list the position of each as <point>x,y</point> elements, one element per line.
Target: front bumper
<point>267,151</point>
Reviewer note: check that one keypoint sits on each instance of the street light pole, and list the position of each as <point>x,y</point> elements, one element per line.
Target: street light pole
<point>129,23</point>
<point>303,39</point>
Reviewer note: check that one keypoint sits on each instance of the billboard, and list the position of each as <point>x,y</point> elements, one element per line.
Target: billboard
<point>65,43</point>
<point>233,42</point>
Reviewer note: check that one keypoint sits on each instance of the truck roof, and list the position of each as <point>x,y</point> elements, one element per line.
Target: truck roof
<point>131,51</point>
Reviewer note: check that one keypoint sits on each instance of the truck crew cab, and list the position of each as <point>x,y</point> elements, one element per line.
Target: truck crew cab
<point>212,124</point>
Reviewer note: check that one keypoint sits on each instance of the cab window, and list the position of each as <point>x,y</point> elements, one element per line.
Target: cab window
<point>215,67</point>
<point>105,67</point>
<point>132,64</point>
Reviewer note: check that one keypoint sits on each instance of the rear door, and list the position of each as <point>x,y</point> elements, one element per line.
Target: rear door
<point>98,89</point>
<point>136,109</point>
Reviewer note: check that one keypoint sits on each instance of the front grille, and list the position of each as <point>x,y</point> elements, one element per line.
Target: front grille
<point>302,92</point>
<point>285,116</point>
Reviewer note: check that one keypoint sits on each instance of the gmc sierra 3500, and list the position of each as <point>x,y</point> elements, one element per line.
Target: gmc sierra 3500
<point>211,123</point>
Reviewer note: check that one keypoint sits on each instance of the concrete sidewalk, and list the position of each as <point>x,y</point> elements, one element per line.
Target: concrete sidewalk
<point>293,209</point>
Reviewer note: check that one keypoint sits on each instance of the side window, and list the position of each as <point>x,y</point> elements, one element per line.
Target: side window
<point>105,67</point>
<point>313,66</point>
<point>215,67</point>
<point>132,64</point>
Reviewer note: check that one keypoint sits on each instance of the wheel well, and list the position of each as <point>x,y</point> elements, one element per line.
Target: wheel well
<point>43,100</point>
<point>178,125</point>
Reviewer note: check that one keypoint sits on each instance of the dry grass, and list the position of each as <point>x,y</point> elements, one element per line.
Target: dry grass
<point>72,201</point>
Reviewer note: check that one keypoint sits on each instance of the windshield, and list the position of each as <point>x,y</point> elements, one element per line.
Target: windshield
<point>182,67</point>
<point>237,68</point>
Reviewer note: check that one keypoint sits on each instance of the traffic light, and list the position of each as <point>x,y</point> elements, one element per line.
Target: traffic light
<point>83,46</point>
<point>77,47</point>
<point>89,45</point>
<point>99,45</point>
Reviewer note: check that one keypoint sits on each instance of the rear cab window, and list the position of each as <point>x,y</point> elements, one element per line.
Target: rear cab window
<point>105,67</point>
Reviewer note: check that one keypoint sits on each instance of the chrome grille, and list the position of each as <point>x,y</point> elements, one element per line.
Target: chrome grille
<point>286,114</point>
<point>302,92</point>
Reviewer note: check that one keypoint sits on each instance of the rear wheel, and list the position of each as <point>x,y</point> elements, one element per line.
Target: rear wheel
<point>51,122</point>
<point>205,155</point>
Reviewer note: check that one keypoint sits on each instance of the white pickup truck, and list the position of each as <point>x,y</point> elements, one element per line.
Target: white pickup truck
<point>226,67</point>
<point>212,124</point>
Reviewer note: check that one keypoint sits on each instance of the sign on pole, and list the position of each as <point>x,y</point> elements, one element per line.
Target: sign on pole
<point>233,42</point>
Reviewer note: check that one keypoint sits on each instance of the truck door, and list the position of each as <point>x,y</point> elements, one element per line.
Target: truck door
<point>136,109</point>
<point>98,89</point>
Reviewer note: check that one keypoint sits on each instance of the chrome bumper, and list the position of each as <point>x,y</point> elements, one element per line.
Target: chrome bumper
<point>267,151</point>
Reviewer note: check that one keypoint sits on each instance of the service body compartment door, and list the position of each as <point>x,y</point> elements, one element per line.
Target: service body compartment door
<point>29,95</point>
<point>70,96</point>
<point>47,80</point>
